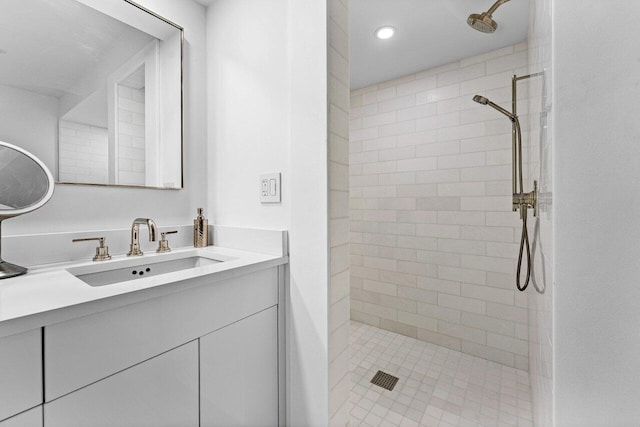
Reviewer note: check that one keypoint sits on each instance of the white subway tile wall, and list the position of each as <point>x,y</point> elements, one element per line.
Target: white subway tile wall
<point>131,136</point>
<point>83,153</point>
<point>338,95</point>
<point>433,238</point>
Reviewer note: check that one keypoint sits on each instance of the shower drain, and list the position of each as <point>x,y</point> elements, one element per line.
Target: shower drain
<point>384,380</point>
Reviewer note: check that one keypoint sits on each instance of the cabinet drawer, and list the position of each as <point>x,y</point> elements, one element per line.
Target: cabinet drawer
<point>84,350</point>
<point>161,392</point>
<point>30,418</point>
<point>20,372</point>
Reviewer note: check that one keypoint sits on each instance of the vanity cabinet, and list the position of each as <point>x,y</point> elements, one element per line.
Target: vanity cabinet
<point>161,392</point>
<point>30,418</point>
<point>205,355</point>
<point>87,349</point>
<point>20,373</point>
<point>239,373</point>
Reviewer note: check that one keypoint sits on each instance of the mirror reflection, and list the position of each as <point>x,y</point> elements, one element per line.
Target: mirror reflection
<point>108,79</point>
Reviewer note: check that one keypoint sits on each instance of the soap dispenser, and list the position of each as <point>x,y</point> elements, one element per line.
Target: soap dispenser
<point>200,230</point>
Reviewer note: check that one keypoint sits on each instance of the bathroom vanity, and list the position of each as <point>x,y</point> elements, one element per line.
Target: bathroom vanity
<point>200,346</point>
<point>185,337</point>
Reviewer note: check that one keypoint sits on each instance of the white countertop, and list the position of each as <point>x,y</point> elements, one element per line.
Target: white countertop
<point>50,294</point>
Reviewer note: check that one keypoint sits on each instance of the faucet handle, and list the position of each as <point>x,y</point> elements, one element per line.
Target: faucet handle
<point>163,245</point>
<point>102,251</point>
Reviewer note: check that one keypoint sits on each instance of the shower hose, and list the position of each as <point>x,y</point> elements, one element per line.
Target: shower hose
<point>524,243</point>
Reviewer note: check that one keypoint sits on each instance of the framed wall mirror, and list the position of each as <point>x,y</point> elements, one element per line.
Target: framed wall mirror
<point>105,77</point>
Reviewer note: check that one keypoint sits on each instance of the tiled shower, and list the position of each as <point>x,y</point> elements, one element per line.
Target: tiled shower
<point>434,242</point>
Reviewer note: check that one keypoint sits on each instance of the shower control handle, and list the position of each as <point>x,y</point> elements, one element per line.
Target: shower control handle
<point>529,200</point>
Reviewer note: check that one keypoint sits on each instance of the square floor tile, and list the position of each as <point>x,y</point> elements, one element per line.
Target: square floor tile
<point>437,386</point>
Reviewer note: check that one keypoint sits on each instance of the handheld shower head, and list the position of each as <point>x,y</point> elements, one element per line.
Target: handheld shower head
<point>485,101</point>
<point>481,100</point>
<point>484,22</point>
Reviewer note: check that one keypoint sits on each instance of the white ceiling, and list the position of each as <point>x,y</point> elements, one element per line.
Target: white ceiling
<point>429,33</point>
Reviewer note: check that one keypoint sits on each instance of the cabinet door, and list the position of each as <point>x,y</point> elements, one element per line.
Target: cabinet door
<point>30,418</point>
<point>239,373</point>
<point>162,391</point>
<point>20,372</point>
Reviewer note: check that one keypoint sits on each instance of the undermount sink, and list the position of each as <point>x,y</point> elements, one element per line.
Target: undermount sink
<point>137,269</point>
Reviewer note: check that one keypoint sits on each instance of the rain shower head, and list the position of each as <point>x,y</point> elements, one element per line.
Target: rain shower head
<point>484,22</point>
<point>485,101</point>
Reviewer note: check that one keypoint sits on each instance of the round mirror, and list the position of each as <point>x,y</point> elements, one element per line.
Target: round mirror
<point>25,185</point>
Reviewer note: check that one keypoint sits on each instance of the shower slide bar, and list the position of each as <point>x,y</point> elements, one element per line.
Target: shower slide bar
<point>521,201</point>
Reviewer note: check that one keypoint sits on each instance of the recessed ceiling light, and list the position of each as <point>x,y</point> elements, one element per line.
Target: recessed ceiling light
<point>385,32</point>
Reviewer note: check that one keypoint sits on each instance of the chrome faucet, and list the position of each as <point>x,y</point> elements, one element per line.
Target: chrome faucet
<point>135,234</point>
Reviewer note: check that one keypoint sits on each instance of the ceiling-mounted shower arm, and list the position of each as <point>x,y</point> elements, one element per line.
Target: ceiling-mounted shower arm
<point>495,6</point>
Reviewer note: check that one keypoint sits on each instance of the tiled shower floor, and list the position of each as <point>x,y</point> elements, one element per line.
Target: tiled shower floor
<point>437,386</point>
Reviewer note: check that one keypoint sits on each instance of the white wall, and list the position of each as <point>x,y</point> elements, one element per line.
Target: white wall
<point>248,102</point>
<point>76,208</point>
<point>434,240</point>
<point>309,269</point>
<point>267,100</point>
<point>596,206</point>
<point>339,351</point>
<point>539,157</point>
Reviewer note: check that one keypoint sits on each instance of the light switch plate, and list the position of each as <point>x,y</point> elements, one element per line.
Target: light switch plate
<point>270,188</point>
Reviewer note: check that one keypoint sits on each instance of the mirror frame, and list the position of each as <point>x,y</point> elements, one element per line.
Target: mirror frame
<point>181,29</point>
